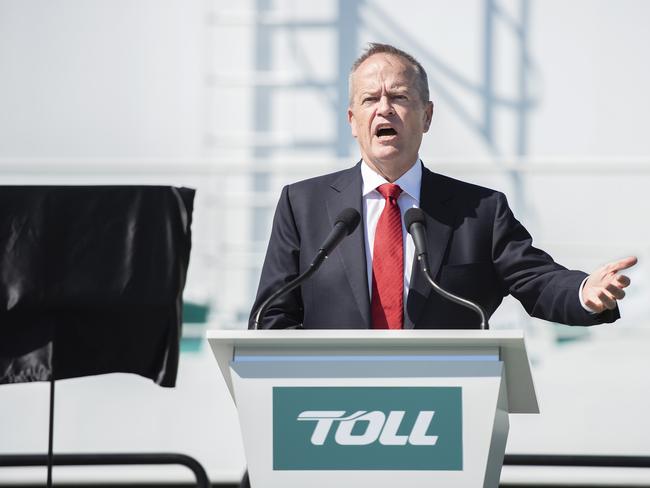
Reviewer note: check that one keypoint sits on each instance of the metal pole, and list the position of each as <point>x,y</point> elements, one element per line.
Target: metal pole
<point>50,457</point>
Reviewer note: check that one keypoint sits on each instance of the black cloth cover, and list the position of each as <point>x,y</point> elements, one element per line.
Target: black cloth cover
<point>91,280</point>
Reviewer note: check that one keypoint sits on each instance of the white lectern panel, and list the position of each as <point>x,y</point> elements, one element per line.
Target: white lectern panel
<point>390,408</point>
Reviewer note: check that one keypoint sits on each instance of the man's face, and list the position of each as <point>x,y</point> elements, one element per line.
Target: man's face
<point>387,115</point>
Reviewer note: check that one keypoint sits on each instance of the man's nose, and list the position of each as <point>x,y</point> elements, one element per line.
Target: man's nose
<point>385,106</point>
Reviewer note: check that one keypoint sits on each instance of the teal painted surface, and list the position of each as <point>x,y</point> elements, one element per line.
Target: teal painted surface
<point>195,313</point>
<point>195,317</point>
<point>296,442</point>
<point>192,344</point>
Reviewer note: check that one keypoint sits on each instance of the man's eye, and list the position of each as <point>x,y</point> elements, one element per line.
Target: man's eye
<point>369,100</point>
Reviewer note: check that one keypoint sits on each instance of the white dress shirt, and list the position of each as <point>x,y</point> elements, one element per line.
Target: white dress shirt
<point>373,205</point>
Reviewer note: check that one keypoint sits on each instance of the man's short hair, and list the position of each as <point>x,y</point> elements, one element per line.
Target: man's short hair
<point>373,48</point>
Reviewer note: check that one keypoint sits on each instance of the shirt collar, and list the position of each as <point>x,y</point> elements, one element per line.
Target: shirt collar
<point>410,182</point>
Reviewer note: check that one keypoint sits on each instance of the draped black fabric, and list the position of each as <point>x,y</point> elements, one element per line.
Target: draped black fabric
<point>91,280</point>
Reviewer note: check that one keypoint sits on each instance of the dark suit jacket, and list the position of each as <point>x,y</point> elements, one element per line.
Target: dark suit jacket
<point>477,249</point>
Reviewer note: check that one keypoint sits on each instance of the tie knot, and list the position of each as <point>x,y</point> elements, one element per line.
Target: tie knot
<point>389,190</point>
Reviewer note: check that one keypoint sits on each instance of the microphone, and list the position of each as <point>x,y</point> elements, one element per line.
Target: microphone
<point>416,226</point>
<point>344,225</point>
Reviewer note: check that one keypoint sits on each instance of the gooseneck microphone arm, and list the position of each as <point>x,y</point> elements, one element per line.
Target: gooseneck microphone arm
<point>415,225</point>
<point>313,267</point>
<point>344,225</point>
<point>450,296</point>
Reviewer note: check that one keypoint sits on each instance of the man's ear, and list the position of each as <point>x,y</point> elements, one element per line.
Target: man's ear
<point>353,126</point>
<point>428,115</point>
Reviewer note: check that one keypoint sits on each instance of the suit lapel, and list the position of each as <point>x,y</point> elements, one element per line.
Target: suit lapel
<point>439,222</point>
<point>346,193</point>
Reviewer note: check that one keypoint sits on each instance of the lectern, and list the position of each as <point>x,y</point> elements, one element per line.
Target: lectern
<point>355,408</point>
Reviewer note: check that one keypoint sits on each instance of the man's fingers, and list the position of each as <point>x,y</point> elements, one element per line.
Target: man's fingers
<point>624,263</point>
<point>604,298</point>
<point>615,291</point>
<point>595,305</point>
<point>622,281</point>
<point>605,286</point>
<point>607,301</point>
<point>600,303</point>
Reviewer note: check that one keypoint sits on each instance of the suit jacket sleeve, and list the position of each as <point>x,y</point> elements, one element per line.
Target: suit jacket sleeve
<point>281,265</point>
<point>546,289</point>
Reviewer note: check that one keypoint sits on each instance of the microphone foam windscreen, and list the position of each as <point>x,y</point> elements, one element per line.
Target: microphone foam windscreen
<point>350,218</point>
<point>412,216</point>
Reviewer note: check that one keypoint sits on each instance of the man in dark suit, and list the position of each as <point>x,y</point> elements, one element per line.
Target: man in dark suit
<point>477,248</point>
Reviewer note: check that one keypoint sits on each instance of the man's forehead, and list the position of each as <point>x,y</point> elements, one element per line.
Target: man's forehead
<point>386,64</point>
<point>384,70</point>
<point>379,87</point>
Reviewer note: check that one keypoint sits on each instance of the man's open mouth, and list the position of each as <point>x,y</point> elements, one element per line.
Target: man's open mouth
<point>386,132</point>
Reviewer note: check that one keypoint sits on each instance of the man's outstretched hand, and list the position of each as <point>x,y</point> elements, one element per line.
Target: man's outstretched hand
<point>605,285</point>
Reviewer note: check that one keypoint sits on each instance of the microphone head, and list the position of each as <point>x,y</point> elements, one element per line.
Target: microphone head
<point>414,216</point>
<point>350,218</point>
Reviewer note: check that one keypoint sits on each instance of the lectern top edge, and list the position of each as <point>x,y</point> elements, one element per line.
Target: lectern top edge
<point>290,335</point>
<point>511,345</point>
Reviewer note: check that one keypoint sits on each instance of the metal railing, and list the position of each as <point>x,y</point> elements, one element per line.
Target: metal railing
<point>27,460</point>
<point>577,460</point>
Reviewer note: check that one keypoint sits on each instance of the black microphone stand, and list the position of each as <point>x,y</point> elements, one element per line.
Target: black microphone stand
<point>313,267</point>
<point>345,224</point>
<point>450,296</point>
<point>415,225</point>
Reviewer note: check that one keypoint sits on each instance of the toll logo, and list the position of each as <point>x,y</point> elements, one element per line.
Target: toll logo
<point>367,428</point>
<point>380,427</point>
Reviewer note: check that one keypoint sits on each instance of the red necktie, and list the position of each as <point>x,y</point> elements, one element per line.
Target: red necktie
<point>387,304</point>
